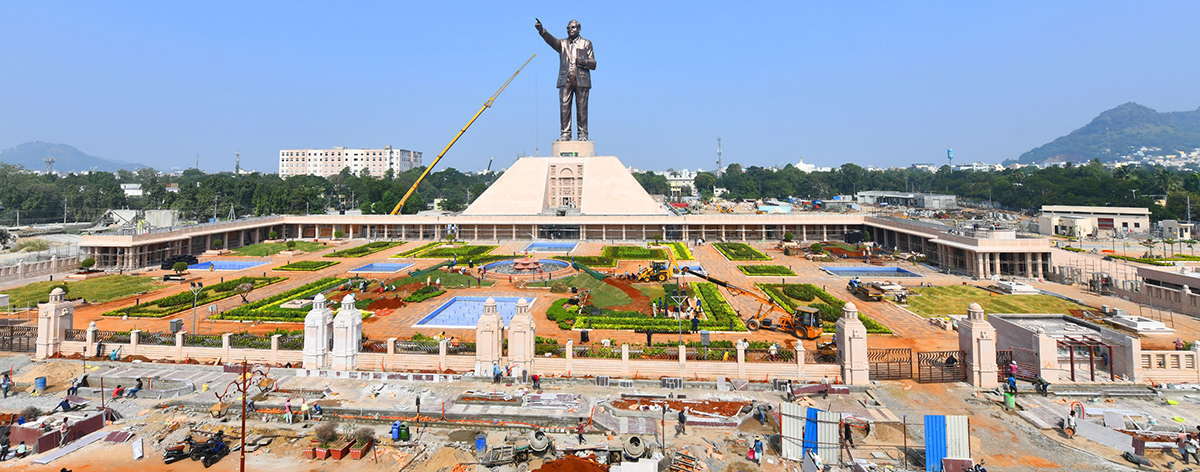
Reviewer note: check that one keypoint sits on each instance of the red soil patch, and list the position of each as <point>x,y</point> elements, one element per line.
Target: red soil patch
<point>382,303</point>
<point>573,464</point>
<point>726,409</point>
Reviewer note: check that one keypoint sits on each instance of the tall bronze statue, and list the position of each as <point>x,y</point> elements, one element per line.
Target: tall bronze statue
<point>575,65</point>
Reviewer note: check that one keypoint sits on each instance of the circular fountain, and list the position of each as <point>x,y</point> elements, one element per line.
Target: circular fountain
<point>527,267</point>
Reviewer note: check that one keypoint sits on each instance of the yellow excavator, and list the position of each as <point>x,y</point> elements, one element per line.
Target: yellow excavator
<point>486,105</point>
<point>660,271</point>
<point>805,323</point>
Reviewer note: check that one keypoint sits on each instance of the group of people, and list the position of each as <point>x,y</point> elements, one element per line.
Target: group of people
<point>1189,444</point>
<point>304,412</point>
<point>6,445</point>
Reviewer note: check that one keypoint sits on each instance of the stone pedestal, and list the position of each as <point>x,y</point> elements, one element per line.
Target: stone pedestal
<point>977,341</point>
<point>318,334</point>
<point>54,318</point>
<point>852,344</point>
<point>572,149</point>
<point>489,339</point>
<point>521,339</point>
<point>347,335</point>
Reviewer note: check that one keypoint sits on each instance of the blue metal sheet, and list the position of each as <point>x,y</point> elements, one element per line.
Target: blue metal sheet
<point>810,431</point>
<point>935,442</point>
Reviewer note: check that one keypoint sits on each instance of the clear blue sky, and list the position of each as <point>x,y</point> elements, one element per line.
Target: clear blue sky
<point>874,83</point>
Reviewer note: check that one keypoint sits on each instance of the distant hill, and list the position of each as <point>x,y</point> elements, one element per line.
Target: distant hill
<point>1130,126</point>
<point>66,158</point>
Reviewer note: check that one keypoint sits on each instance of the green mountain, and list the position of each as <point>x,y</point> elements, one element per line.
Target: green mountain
<point>1130,127</point>
<point>66,158</point>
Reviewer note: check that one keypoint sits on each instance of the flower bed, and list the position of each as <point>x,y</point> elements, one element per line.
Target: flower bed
<point>681,251</point>
<point>766,270</point>
<point>634,253</point>
<point>791,296</point>
<point>308,266</point>
<point>365,249</point>
<point>740,252</point>
<point>182,301</point>
<point>463,252</point>
<point>719,315</point>
<point>424,293</point>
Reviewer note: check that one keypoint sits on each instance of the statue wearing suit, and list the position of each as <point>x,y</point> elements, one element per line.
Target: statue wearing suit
<point>575,65</point>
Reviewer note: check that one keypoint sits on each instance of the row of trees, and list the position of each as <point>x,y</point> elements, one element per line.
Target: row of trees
<point>1024,189</point>
<point>37,198</point>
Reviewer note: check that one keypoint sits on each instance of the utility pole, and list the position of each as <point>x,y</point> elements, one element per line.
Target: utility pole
<point>718,157</point>
<point>197,161</point>
<point>214,208</point>
<point>237,163</point>
<point>64,210</point>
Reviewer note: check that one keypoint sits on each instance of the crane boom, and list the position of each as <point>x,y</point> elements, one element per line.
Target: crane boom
<point>485,106</point>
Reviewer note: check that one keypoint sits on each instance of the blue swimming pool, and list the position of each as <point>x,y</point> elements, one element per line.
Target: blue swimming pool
<point>225,265</point>
<point>868,271</point>
<point>464,312</point>
<point>382,267</point>
<point>550,247</point>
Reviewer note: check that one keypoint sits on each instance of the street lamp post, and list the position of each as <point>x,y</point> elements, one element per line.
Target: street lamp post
<point>197,287</point>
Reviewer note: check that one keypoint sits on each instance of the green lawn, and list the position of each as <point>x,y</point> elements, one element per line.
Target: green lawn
<point>766,270</point>
<point>366,249</point>
<point>654,291</point>
<point>590,261</point>
<point>463,252</point>
<point>100,289</point>
<point>271,249</point>
<point>954,299</point>
<point>603,295</point>
<point>307,266</point>
<point>634,253</point>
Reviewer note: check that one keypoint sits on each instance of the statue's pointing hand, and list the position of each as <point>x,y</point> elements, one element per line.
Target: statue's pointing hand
<point>538,25</point>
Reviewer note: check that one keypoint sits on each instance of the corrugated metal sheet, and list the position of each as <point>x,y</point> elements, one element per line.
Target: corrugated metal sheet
<point>828,436</point>
<point>935,442</point>
<point>792,429</point>
<point>810,430</point>
<point>958,437</point>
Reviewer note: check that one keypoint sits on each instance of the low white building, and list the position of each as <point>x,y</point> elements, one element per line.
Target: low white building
<point>1071,220</point>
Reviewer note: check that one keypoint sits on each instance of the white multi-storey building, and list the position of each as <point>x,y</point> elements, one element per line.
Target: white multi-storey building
<point>327,162</point>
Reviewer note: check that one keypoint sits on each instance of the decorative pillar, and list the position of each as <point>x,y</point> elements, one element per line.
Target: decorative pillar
<point>800,353</point>
<point>741,359</point>
<point>91,339</point>
<point>1046,348</point>
<point>521,332</point>
<point>54,317</point>
<point>134,340</point>
<point>489,339</point>
<point>852,343</point>
<point>625,359</point>
<point>318,334</point>
<point>347,335</point>
<point>977,341</point>
<point>682,358</point>
<point>225,346</point>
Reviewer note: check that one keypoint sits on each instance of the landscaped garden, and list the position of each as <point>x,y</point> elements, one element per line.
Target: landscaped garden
<point>100,289</point>
<point>268,309</point>
<point>954,299</point>
<point>463,252</point>
<point>590,261</point>
<point>419,249</point>
<point>602,294</point>
<point>740,252</point>
<point>681,251</point>
<point>365,249</point>
<point>308,266</point>
<point>634,253</point>
<point>183,300</point>
<point>271,249</point>
<point>791,296</point>
<point>766,270</point>
<point>424,293</point>
<point>448,280</point>
<point>719,317</point>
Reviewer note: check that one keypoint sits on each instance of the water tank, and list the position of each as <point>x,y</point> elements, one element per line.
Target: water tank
<point>634,447</point>
<point>539,442</point>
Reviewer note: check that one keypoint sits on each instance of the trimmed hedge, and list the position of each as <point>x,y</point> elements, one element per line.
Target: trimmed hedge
<point>830,306</point>
<point>181,301</point>
<point>634,253</point>
<point>424,293</point>
<point>365,249</point>
<point>419,249</point>
<point>766,270</point>
<point>308,266</point>
<point>740,252</point>
<point>465,251</point>
<point>1158,261</point>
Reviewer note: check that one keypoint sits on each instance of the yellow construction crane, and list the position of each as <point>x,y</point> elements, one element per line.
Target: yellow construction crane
<point>485,106</point>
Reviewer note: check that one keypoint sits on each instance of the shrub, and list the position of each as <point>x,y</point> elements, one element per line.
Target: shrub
<point>788,236</point>
<point>179,267</point>
<point>217,243</point>
<point>363,435</point>
<point>765,270</point>
<point>273,235</point>
<point>31,413</point>
<point>290,245</point>
<point>326,433</point>
<point>560,287</point>
<point>87,263</point>
<point>338,234</point>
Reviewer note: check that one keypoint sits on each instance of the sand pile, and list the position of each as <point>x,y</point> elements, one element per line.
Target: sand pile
<point>58,374</point>
<point>573,464</point>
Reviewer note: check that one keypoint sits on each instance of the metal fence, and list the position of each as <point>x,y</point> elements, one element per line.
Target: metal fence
<point>814,357</point>
<point>202,340</point>
<point>250,341</point>
<point>373,346</point>
<point>553,350</point>
<point>711,354</point>
<point>416,347</point>
<point>60,252</point>
<point>76,335</point>
<point>601,352</point>
<point>291,343</point>
<point>116,337</point>
<point>156,339</point>
<point>459,348</point>
<point>656,353</point>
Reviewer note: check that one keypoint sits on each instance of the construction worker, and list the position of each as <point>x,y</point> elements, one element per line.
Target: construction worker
<point>681,426</point>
